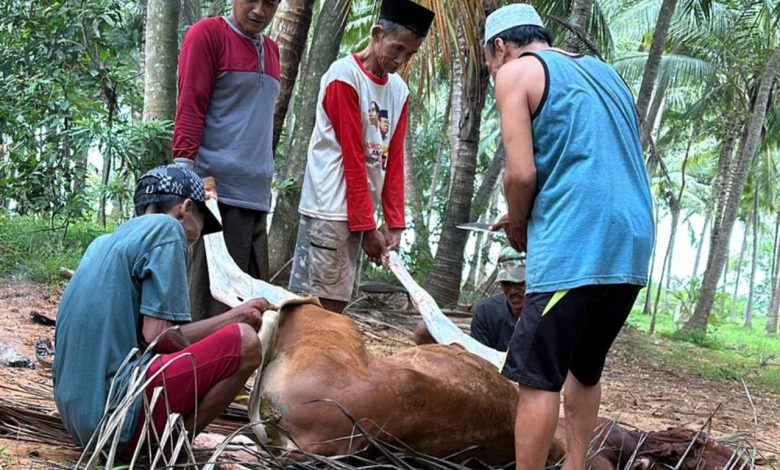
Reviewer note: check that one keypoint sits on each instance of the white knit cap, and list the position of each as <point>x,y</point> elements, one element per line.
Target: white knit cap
<point>510,16</point>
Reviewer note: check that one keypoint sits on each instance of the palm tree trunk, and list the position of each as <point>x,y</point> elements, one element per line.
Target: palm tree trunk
<point>190,13</point>
<point>654,59</point>
<point>740,258</point>
<point>444,280</point>
<point>577,20</point>
<point>700,245</point>
<point>488,184</point>
<point>456,112</point>
<point>327,37</point>
<point>160,59</point>
<point>291,27</point>
<point>774,302</point>
<point>753,266</point>
<point>437,165</point>
<point>414,202</point>
<point>646,310</point>
<point>719,249</point>
<point>675,210</point>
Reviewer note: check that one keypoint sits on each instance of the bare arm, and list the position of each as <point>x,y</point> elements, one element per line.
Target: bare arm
<point>174,338</point>
<point>519,84</point>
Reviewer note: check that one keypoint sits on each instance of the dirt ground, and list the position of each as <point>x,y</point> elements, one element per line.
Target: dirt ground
<point>637,391</point>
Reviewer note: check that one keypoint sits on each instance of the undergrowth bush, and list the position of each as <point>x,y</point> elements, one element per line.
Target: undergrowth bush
<point>32,248</point>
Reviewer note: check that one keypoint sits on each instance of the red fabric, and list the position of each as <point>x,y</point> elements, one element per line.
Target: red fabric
<point>208,362</point>
<point>343,110</point>
<point>393,189</point>
<point>374,78</point>
<point>209,47</point>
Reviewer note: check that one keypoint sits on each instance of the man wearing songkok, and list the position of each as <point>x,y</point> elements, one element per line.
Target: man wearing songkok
<point>356,159</point>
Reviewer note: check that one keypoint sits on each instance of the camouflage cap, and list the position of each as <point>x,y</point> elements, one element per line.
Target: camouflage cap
<point>511,265</point>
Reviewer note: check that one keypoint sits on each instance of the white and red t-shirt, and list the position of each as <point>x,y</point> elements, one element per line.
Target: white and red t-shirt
<point>356,152</point>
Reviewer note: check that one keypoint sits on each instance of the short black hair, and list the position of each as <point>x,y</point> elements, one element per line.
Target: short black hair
<point>162,202</point>
<point>389,27</point>
<point>520,36</point>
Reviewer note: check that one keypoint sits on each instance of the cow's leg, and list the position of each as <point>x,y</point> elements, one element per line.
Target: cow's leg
<point>580,407</point>
<point>536,410</point>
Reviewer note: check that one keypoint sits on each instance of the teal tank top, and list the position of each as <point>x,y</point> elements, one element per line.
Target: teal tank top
<point>591,222</point>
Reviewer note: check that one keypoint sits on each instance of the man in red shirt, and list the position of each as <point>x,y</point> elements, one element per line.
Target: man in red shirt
<point>356,159</point>
<point>228,83</point>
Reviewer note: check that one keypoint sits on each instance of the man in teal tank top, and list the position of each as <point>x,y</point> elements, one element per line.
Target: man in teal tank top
<point>580,205</point>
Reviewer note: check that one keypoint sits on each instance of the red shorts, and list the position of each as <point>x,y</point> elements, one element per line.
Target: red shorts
<point>204,364</point>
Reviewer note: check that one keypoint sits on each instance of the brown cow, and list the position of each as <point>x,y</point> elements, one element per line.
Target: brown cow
<point>436,398</point>
<point>319,380</point>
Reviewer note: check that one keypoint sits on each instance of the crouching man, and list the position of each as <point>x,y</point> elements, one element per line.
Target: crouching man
<point>129,290</point>
<point>494,318</point>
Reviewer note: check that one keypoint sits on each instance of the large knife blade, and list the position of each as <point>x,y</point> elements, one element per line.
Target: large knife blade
<point>479,227</point>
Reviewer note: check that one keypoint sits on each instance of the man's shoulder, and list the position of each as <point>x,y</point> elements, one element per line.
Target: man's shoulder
<point>151,230</point>
<point>212,23</point>
<point>207,29</point>
<point>489,304</point>
<point>398,83</point>
<point>343,66</point>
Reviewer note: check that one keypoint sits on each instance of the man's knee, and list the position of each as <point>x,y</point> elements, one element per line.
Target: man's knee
<point>251,349</point>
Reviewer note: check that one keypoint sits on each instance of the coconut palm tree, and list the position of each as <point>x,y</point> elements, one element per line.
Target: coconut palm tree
<point>719,249</point>
<point>290,30</point>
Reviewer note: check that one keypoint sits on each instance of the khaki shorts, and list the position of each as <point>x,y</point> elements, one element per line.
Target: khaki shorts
<point>327,259</point>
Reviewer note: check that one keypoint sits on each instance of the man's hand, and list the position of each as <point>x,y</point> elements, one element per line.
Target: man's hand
<point>500,224</point>
<point>517,233</point>
<point>374,245</point>
<point>392,236</point>
<point>251,312</point>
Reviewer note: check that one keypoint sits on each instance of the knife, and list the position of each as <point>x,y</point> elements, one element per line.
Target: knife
<point>479,227</point>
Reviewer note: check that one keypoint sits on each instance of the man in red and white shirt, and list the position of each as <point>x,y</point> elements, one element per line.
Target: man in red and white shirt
<point>356,159</point>
<point>228,84</point>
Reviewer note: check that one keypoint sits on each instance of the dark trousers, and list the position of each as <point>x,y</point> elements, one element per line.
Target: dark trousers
<point>247,242</point>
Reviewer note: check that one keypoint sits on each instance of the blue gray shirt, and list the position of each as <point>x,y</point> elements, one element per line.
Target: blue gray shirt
<point>591,221</point>
<point>137,270</point>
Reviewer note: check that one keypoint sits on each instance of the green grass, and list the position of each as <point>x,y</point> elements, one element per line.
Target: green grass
<point>727,351</point>
<point>30,249</point>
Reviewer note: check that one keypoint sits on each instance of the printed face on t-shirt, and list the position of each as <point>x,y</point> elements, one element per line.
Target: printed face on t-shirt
<point>373,114</point>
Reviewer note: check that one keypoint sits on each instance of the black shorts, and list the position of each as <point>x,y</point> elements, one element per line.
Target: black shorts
<point>567,331</point>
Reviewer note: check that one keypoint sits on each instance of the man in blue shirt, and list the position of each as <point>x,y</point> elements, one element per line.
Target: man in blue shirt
<point>128,301</point>
<point>579,200</point>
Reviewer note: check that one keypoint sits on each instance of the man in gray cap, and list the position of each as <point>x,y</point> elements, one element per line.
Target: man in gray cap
<point>579,201</point>
<point>494,319</point>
